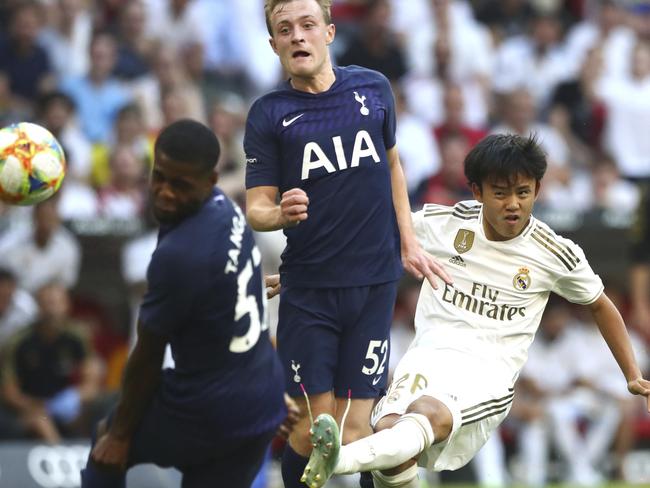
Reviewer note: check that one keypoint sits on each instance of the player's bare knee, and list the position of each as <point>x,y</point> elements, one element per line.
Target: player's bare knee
<point>386,422</point>
<point>354,432</point>
<point>436,412</point>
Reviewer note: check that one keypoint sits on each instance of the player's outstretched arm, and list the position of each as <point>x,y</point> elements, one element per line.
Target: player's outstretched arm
<point>416,260</point>
<point>264,214</point>
<point>611,326</point>
<point>141,378</point>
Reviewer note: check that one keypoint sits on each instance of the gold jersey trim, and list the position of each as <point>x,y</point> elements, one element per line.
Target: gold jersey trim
<point>554,247</point>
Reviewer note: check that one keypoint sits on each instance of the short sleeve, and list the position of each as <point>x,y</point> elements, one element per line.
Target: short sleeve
<point>261,148</point>
<point>390,124</point>
<point>424,230</point>
<point>167,303</point>
<point>579,284</point>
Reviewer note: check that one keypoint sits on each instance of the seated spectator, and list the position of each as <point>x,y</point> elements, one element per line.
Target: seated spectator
<point>535,61</point>
<point>606,30</point>
<point>375,45</point>
<point>418,148</point>
<point>449,184</point>
<point>56,112</point>
<point>25,62</point>
<point>577,112</point>
<point>168,74</point>
<point>129,131</point>
<point>227,119</point>
<point>610,191</point>
<point>11,110</point>
<point>124,197</point>
<point>627,100</point>
<point>134,45</point>
<point>504,19</point>
<point>98,95</point>
<point>49,372</point>
<point>17,307</point>
<point>67,37</point>
<point>453,122</point>
<point>44,252</point>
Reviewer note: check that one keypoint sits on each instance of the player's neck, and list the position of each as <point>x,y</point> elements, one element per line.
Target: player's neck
<point>319,83</point>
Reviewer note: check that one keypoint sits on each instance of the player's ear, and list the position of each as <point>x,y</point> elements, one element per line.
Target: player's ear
<point>331,32</point>
<point>538,185</point>
<point>476,192</point>
<point>273,46</point>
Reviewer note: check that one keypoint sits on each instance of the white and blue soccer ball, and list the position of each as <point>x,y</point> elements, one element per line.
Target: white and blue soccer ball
<point>32,164</point>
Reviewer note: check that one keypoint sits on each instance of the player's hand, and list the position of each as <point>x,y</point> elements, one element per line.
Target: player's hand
<point>293,207</point>
<point>110,452</point>
<point>293,414</point>
<point>640,386</point>
<point>272,284</point>
<point>421,264</point>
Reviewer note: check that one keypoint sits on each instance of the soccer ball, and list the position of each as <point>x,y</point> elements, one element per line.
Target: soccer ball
<point>32,164</point>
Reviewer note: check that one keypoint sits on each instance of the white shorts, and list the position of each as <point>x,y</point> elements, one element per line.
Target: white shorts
<point>478,395</point>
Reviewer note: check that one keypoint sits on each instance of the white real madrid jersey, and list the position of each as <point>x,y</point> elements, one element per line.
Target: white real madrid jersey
<point>500,288</point>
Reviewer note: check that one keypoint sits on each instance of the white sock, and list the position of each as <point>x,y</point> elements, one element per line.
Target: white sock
<point>410,435</point>
<point>405,479</point>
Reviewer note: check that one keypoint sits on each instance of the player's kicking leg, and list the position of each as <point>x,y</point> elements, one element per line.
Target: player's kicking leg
<point>426,420</point>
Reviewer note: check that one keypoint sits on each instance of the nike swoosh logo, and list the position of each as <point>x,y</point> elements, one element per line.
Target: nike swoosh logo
<point>287,123</point>
<point>376,380</point>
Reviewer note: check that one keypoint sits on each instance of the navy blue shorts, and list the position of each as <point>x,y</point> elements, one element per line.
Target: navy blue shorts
<point>336,339</point>
<point>165,441</point>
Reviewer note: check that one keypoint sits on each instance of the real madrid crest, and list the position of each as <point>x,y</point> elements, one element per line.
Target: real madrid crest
<point>464,241</point>
<point>521,281</point>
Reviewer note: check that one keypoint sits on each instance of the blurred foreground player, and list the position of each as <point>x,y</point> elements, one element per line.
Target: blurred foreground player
<point>454,386</point>
<point>213,416</point>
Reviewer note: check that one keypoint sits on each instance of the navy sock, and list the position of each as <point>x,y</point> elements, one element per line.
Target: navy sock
<point>365,480</point>
<point>293,464</point>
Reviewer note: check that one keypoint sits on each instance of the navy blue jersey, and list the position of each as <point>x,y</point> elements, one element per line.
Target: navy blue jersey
<point>333,146</point>
<point>206,295</point>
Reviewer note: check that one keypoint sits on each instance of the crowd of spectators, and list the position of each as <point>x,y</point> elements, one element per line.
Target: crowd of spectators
<point>106,75</point>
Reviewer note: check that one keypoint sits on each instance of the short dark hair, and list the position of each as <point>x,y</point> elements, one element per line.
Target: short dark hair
<point>191,142</point>
<point>6,275</point>
<point>48,99</point>
<point>504,157</point>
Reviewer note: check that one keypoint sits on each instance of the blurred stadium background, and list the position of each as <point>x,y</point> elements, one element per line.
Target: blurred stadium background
<point>105,75</point>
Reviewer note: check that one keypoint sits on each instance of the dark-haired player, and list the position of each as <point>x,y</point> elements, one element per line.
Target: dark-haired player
<point>454,386</point>
<point>321,152</point>
<point>212,417</point>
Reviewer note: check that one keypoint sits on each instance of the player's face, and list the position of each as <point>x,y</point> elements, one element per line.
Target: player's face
<point>506,206</point>
<point>178,190</point>
<point>300,38</point>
